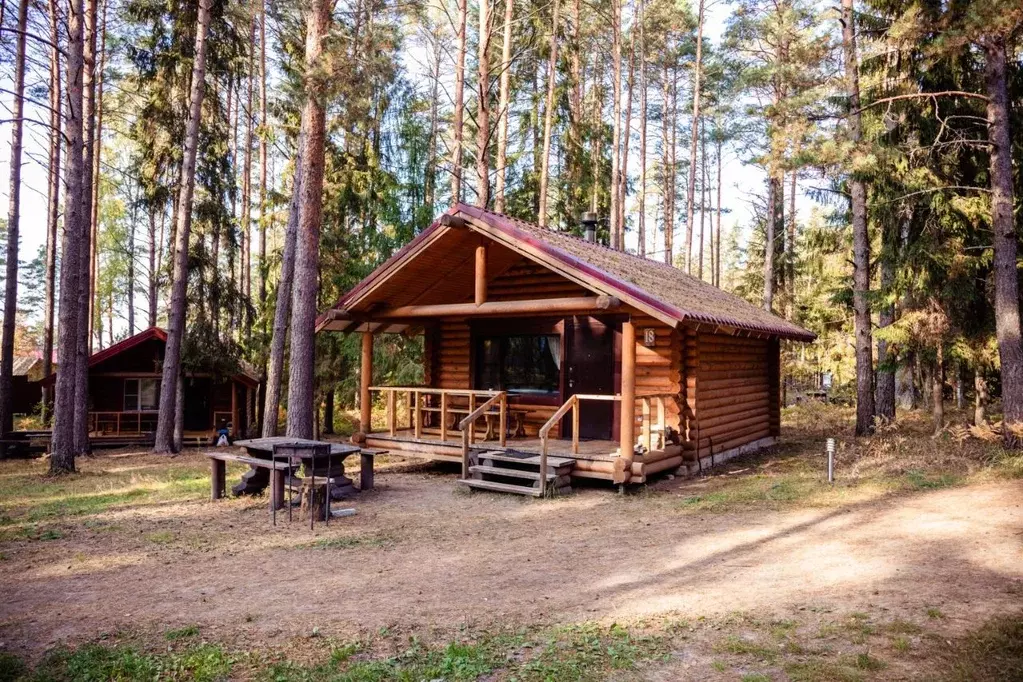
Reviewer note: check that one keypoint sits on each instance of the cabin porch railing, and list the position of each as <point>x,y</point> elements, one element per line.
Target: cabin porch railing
<point>649,425</point>
<point>466,426</point>
<point>417,408</point>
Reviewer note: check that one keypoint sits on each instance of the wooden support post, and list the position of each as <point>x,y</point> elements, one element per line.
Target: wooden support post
<point>365,381</point>
<point>417,417</point>
<point>234,411</point>
<point>575,425</point>
<point>443,416</point>
<point>504,419</point>
<point>472,424</point>
<point>627,427</point>
<point>391,410</point>
<point>646,424</point>
<point>218,472</point>
<point>408,404</point>
<point>481,274</point>
<point>662,422</point>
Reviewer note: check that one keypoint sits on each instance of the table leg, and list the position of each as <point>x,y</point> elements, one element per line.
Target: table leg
<point>277,488</point>
<point>365,472</point>
<point>218,472</point>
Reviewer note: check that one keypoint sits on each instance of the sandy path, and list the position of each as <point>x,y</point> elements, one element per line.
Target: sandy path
<point>448,558</point>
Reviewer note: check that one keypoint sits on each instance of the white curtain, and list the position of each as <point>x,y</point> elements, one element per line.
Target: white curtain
<point>554,346</point>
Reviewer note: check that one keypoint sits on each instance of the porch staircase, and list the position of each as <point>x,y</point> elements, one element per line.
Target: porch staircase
<point>518,473</point>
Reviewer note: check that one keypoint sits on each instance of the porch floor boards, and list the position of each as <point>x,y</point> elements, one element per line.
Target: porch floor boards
<point>598,450</point>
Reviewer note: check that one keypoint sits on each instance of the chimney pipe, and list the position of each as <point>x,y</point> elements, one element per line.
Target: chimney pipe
<point>589,221</point>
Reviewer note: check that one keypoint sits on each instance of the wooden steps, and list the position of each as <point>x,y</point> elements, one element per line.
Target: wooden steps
<point>518,473</point>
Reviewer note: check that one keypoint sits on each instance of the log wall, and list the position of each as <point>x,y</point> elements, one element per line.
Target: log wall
<point>731,391</point>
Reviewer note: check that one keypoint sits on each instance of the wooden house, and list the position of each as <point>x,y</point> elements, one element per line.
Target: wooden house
<point>124,392</point>
<point>26,384</point>
<point>539,344</point>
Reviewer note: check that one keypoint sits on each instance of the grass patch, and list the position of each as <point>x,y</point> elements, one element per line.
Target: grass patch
<point>11,667</point>
<point>182,633</point>
<point>822,671</point>
<point>746,647</point>
<point>98,663</point>
<point>994,652</point>
<point>350,542</point>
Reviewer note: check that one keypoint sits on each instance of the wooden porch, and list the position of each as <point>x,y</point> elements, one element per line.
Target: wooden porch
<point>463,426</point>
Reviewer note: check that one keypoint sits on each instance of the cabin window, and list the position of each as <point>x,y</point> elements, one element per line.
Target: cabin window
<point>141,395</point>
<point>520,364</point>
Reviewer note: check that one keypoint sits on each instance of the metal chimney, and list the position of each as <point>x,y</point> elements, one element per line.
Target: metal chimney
<point>589,221</point>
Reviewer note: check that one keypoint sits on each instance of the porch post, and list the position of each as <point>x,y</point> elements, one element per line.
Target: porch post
<point>481,274</point>
<point>627,429</point>
<point>365,380</point>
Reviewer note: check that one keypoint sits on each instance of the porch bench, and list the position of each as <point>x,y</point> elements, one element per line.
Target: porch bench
<point>491,416</point>
<point>218,474</point>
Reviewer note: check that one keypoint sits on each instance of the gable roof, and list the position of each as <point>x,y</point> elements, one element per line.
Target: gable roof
<point>27,365</point>
<point>663,291</point>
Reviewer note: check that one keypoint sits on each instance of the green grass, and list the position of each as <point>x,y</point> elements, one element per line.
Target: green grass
<point>98,663</point>
<point>182,633</point>
<point>993,652</point>
<point>11,667</point>
<point>349,542</point>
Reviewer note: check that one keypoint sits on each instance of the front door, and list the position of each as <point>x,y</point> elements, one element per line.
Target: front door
<point>591,365</point>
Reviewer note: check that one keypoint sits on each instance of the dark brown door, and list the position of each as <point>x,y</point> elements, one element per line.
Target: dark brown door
<point>591,364</point>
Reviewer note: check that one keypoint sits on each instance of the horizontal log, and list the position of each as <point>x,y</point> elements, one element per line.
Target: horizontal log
<point>662,465</point>
<point>733,422</point>
<point>523,307</point>
<point>712,401</point>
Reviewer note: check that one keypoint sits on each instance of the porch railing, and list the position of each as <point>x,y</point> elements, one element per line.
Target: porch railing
<point>418,409</point>
<point>466,426</point>
<point>648,428</point>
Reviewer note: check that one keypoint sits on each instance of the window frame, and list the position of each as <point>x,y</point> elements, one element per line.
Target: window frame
<point>483,329</point>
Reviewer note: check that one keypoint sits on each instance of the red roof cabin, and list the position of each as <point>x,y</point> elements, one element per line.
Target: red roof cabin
<point>540,344</point>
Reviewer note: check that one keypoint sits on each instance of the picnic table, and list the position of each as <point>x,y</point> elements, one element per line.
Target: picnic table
<point>330,466</point>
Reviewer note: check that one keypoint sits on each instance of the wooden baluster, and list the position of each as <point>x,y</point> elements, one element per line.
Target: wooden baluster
<point>543,466</point>
<point>662,422</point>
<point>575,425</point>
<point>472,422</point>
<point>443,416</point>
<point>504,418</point>
<point>646,423</point>
<point>391,410</point>
<point>417,417</point>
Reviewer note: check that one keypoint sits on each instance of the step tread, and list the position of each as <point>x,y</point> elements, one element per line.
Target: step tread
<point>500,487</point>
<point>524,458</point>
<point>511,473</point>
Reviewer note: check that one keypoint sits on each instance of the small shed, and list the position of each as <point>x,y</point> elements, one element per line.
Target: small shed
<point>27,384</point>
<point>539,341</point>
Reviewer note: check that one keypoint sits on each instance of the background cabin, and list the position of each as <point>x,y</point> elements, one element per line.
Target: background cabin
<point>27,384</point>
<point>124,392</point>
<point>539,341</point>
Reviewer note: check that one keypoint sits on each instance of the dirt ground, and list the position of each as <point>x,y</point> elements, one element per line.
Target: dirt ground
<point>424,555</point>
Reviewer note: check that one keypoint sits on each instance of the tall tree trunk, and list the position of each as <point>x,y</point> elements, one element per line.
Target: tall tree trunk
<point>456,150</point>
<point>86,296</point>
<point>548,117</point>
<point>263,133</point>
<point>641,228</point>
<point>97,144</point>
<point>483,107</point>
<point>1007,319</point>
<point>53,208</point>
<point>980,398</point>
<point>430,190</point>
<point>769,247</point>
<point>703,194</point>
<point>504,99</point>
<point>131,272</point>
<point>790,252</point>
<point>179,283</point>
<point>13,224</point>
<point>246,219</point>
<point>62,443</point>
<point>937,391</point>
<point>303,302</point>
<point>717,245</point>
<point>861,238</point>
<point>668,181</point>
<point>616,129</point>
<point>154,277</point>
<point>282,308</point>
<point>884,391</point>
<point>623,175</point>
<point>691,187</point>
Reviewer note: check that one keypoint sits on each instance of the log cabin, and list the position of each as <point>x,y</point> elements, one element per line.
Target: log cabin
<point>549,357</point>
<point>124,390</point>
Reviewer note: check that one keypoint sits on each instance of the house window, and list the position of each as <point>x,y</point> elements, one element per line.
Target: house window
<point>524,365</point>
<point>141,395</point>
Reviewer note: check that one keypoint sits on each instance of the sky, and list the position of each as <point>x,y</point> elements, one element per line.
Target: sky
<point>741,181</point>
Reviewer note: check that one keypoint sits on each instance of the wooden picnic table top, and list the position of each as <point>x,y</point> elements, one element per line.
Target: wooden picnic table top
<point>257,446</point>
